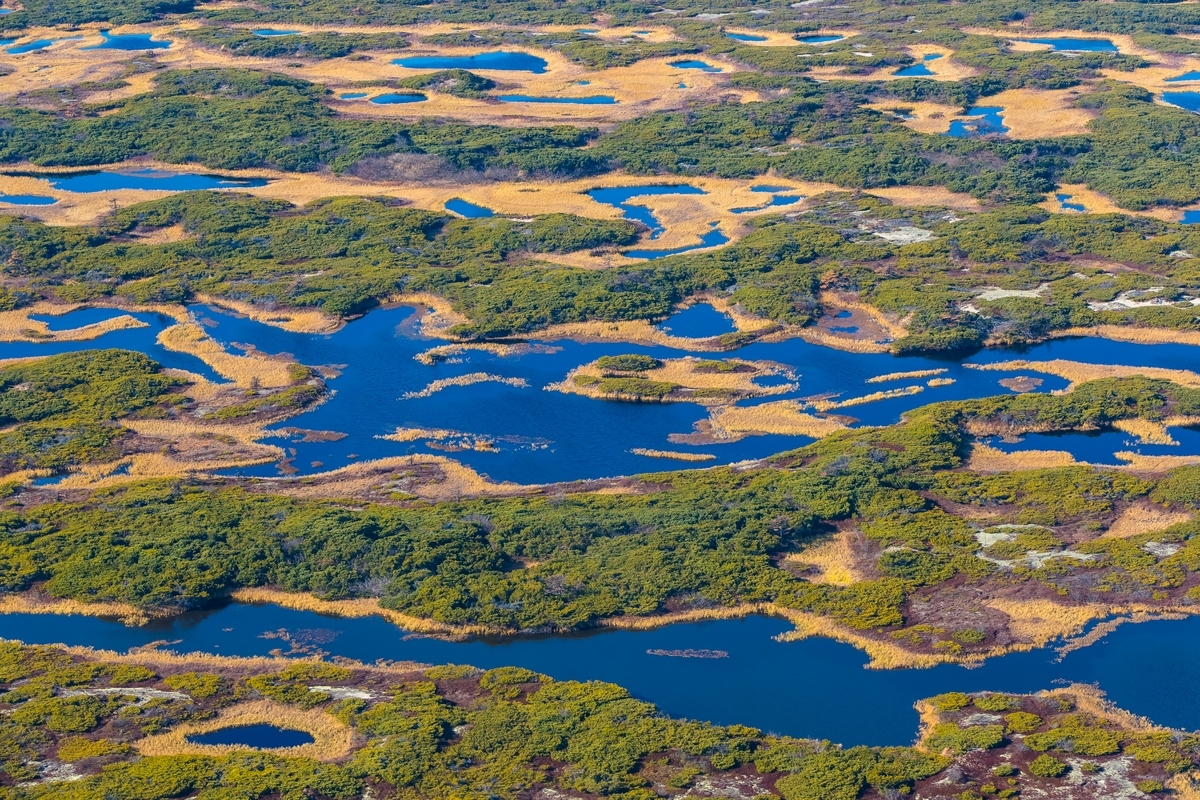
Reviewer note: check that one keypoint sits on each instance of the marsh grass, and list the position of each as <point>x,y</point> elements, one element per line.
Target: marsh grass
<point>1078,372</point>
<point>251,370</point>
<point>782,417</point>
<point>900,376</point>
<point>672,454</point>
<point>469,379</point>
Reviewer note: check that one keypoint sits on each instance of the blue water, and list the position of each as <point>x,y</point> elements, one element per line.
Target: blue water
<point>814,688</point>
<point>149,179</point>
<point>777,200</point>
<point>594,100</point>
<point>710,239</point>
<point>699,322</point>
<point>1189,101</point>
<point>619,197</point>
<point>129,41</point>
<point>352,96</point>
<point>1068,44</point>
<point>1187,76</point>
<point>990,121</point>
<point>915,71</point>
<point>1191,217</point>
<point>468,210</point>
<point>29,47</point>
<point>588,31</point>
<point>273,32</point>
<point>27,199</point>
<point>820,39</point>
<point>4,11</point>
<point>745,37</point>
<point>1064,201</point>
<point>393,99</point>
<point>932,57</point>
<point>499,60</point>
<point>264,736</point>
<point>78,319</point>
<point>700,65</point>
<point>1100,447</point>
<point>770,189</point>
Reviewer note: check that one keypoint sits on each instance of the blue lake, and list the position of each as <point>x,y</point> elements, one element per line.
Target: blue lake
<point>820,39</point>
<point>29,47</point>
<point>499,60</point>
<point>547,436</point>
<point>745,37</point>
<point>129,41</point>
<point>394,99</point>
<point>1064,201</point>
<point>27,200</point>
<point>712,238</point>
<point>812,688</point>
<point>1073,45</point>
<point>698,322</point>
<point>619,197</point>
<point>468,210</point>
<point>700,65</point>
<point>264,736</point>
<point>594,100</point>
<point>990,121</point>
<point>272,32</point>
<point>1189,101</point>
<point>148,179</point>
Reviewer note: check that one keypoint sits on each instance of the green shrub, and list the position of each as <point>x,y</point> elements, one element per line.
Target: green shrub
<point>1045,766</point>
<point>1022,722</point>
<point>628,363</point>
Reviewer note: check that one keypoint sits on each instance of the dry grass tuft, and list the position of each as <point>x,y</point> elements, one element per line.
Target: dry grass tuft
<point>887,394</point>
<point>989,459</point>
<point>289,319</point>
<point>834,559</point>
<point>781,417</point>
<point>30,604</point>
<point>1039,622</point>
<point>1138,519</point>
<point>900,376</point>
<point>354,609</point>
<point>469,379</point>
<point>1147,431</point>
<point>252,370</point>
<point>1123,333</point>
<point>1077,372</point>
<point>672,454</point>
<point>16,326</point>
<point>333,740</point>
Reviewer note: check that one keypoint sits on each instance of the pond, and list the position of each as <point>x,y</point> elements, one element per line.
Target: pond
<point>619,197</point>
<point>352,96</point>
<point>498,60</point>
<point>745,37</point>
<point>29,47</point>
<point>1076,45</point>
<point>594,100</point>
<point>698,322</point>
<point>1188,101</point>
<point>1101,447</point>
<point>1064,202</point>
<point>144,179</point>
<point>261,736</point>
<point>711,238</point>
<point>811,688</point>
<point>777,200</point>
<point>989,121</point>
<point>820,39</point>
<point>692,64</point>
<point>918,70</point>
<point>129,41</point>
<point>27,199</point>
<point>468,210</point>
<point>272,32</point>
<point>540,436</point>
<point>394,99</point>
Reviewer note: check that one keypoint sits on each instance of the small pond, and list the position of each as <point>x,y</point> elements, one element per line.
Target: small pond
<point>918,70</point>
<point>811,688</point>
<point>1101,447</point>
<point>990,121</point>
<point>594,100</point>
<point>1076,45</point>
<point>29,47</point>
<point>1187,76</point>
<point>1191,218</point>
<point>145,179</point>
<point>777,200</point>
<point>272,32</point>
<point>698,322</point>
<point>262,736</point>
<point>27,199</point>
<point>619,197</point>
<point>352,96</point>
<point>129,41</point>
<point>499,60</point>
<point>693,64</point>
<point>468,210</point>
<point>712,238</point>
<point>820,39</point>
<point>1188,101</point>
<point>745,37</point>
<point>1064,202</point>
<point>392,98</point>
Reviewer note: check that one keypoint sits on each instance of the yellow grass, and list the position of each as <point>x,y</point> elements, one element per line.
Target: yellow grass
<point>296,320</point>
<point>1042,113</point>
<point>381,477</point>
<point>1136,462</point>
<point>936,382</point>
<point>1041,621</point>
<point>252,369</point>
<point>672,454</point>
<point>927,196</point>
<point>682,372</point>
<point>780,417</point>
<point>888,394</point>
<point>905,376</point>
<point>773,38</point>
<point>1138,519</point>
<point>1122,333</point>
<point>926,117</point>
<point>464,380</point>
<point>439,316</point>
<point>989,459</point>
<point>1124,43</point>
<point>1096,203</point>
<point>834,560</point>
<point>435,354</point>
<point>832,301</point>
<point>943,69</point>
<point>28,604</point>
<point>332,739</point>
<point>1077,372</point>
<point>16,326</point>
<point>1146,431</point>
